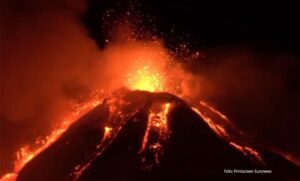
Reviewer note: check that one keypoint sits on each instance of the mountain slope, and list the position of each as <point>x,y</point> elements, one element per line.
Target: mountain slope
<point>137,135</point>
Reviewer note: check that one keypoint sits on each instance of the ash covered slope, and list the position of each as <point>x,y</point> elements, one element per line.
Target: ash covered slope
<point>135,135</point>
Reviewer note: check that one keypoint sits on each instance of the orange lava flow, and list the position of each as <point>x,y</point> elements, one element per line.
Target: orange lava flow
<point>218,129</point>
<point>118,115</point>
<point>223,133</point>
<point>157,124</point>
<point>28,152</point>
<point>215,111</point>
<point>79,169</point>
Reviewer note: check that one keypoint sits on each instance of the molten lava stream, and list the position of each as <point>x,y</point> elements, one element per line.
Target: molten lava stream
<point>79,169</point>
<point>117,118</point>
<point>222,126</point>
<point>28,152</point>
<point>157,124</point>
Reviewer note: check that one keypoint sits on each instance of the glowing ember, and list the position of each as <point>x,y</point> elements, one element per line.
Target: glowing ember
<point>107,132</point>
<point>145,79</point>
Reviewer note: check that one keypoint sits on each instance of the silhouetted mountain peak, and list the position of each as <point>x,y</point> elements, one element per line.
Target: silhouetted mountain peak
<point>138,135</point>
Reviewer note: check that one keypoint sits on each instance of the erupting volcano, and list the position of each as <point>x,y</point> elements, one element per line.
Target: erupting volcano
<point>139,135</point>
<point>142,122</point>
<point>145,133</point>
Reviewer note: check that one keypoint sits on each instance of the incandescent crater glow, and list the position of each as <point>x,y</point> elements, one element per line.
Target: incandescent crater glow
<point>146,79</point>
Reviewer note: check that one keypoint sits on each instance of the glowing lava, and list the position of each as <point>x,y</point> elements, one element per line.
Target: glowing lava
<point>157,125</point>
<point>222,126</point>
<point>79,169</point>
<point>145,79</point>
<point>27,152</point>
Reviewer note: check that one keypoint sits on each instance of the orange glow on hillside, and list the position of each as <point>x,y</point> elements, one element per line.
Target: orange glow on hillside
<point>221,131</point>
<point>28,152</point>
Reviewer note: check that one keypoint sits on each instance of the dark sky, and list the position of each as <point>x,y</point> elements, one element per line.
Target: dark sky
<point>273,23</point>
<point>250,69</point>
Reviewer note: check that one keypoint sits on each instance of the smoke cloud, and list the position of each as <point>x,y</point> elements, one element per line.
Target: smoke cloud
<point>257,89</point>
<point>46,56</point>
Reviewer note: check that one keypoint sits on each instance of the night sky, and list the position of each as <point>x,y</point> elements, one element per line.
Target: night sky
<point>266,23</point>
<point>250,62</point>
